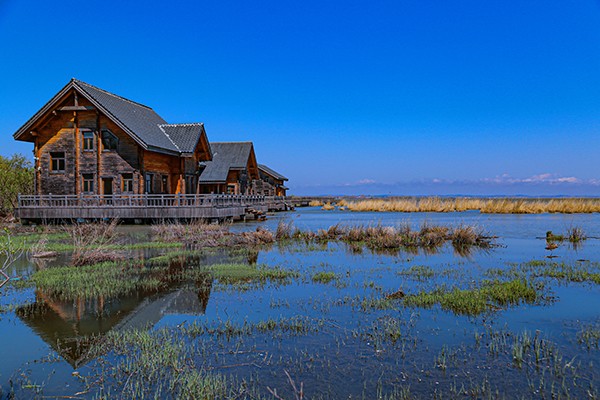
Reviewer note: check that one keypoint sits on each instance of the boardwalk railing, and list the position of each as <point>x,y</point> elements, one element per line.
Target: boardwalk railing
<point>145,200</point>
<point>145,207</point>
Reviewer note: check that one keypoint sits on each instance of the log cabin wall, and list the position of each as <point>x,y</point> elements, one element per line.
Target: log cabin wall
<point>265,185</point>
<point>104,164</point>
<point>190,169</point>
<point>56,139</point>
<point>160,167</point>
<point>63,134</point>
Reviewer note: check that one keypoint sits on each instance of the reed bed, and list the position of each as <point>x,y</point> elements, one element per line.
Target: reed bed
<point>387,237</point>
<point>210,235</point>
<point>483,205</point>
<point>378,237</point>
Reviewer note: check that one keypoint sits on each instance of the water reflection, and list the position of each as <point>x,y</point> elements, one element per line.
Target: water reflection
<point>72,327</point>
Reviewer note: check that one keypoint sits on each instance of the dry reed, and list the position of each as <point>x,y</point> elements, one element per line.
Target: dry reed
<point>484,205</point>
<point>92,243</point>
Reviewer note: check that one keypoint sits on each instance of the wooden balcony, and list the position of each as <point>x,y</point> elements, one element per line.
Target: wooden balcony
<point>144,208</point>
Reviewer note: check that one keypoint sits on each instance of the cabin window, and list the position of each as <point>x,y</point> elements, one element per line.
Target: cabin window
<point>88,183</point>
<point>149,178</point>
<point>109,141</point>
<point>230,189</point>
<point>88,141</point>
<point>164,184</point>
<point>57,161</point>
<point>127,180</point>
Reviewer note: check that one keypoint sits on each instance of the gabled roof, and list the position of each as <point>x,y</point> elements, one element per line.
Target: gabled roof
<point>185,136</point>
<point>226,156</point>
<point>139,120</point>
<point>271,172</point>
<point>142,123</point>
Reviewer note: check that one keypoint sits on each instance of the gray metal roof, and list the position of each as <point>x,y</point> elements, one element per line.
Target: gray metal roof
<point>139,119</point>
<point>185,136</point>
<point>271,172</point>
<point>142,123</point>
<point>226,156</point>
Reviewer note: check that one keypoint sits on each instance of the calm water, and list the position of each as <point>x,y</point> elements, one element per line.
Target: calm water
<point>347,352</point>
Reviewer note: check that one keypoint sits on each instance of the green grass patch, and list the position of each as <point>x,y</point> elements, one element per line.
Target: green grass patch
<point>418,272</point>
<point>324,277</point>
<point>232,274</point>
<point>110,279</point>
<point>576,272</point>
<point>491,296</point>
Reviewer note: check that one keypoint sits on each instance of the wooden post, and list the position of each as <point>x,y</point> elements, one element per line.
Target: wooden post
<point>77,150</point>
<point>98,153</point>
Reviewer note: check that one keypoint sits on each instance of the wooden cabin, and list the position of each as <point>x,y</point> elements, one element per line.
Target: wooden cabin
<point>90,141</point>
<point>233,169</point>
<point>273,181</point>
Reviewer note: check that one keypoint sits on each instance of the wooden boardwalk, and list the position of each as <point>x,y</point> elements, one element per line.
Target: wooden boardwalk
<point>147,208</point>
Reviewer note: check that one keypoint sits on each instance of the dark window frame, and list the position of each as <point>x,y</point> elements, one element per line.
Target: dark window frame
<point>148,183</point>
<point>107,137</point>
<point>87,180</point>
<point>88,139</point>
<point>58,159</point>
<point>127,183</point>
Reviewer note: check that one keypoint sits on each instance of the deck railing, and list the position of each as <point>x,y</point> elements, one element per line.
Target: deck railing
<point>145,200</point>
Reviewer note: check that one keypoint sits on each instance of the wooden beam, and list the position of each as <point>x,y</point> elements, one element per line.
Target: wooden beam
<point>76,108</point>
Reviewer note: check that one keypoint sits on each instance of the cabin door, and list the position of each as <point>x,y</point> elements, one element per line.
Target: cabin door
<point>107,186</point>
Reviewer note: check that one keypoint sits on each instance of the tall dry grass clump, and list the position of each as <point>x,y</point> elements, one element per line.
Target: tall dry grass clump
<point>92,243</point>
<point>284,231</point>
<point>485,205</point>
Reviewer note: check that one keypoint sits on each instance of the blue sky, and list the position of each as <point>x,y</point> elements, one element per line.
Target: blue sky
<point>398,97</point>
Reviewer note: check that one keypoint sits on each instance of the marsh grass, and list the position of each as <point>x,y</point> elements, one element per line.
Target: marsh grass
<point>244,273</point>
<point>118,278</point>
<point>484,205</point>
<point>324,277</point>
<point>328,206</point>
<point>204,235</point>
<point>159,364</point>
<point>91,243</point>
<point>418,272</point>
<point>590,336</point>
<point>569,272</point>
<point>111,279</point>
<point>491,296</point>
<point>380,237</point>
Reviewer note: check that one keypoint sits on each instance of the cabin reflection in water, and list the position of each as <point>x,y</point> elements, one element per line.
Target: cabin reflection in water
<point>72,327</point>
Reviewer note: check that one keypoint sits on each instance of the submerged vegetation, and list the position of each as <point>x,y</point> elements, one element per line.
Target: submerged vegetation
<point>580,271</point>
<point>491,296</point>
<point>484,205</point>
<point>114,279</point>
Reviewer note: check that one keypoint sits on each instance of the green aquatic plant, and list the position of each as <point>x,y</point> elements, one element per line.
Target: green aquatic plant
<point>590,336</point>
<point>489,297</point>
<point>324,277</point>
<point>244,273</point>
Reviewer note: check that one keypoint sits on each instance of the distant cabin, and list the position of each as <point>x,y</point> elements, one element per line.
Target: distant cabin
<point>272,181</point>
<point>88,141</point>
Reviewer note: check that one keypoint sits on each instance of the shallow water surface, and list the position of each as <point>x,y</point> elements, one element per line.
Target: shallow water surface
<point>341,338</point>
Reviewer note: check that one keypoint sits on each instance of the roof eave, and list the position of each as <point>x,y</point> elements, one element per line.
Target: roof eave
<point>47,107</point>
<point>163,151</point>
